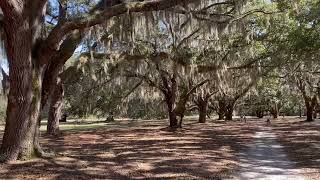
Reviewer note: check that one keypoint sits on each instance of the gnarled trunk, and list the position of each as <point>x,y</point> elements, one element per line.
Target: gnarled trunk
<point>275,111</point>
<point>221,109</point>
<point>229,114</point>
<point>22,26</point>
<point>180,109</point>
<point>20,140</point>
<point>170,101</point>
<point>310,107</point>
<point>229,111</point>
<point>259,113</point>
<point>309,113</point>
<point>220,116</point>
<point>55,108</point>
<point>173,119</point>
<point>203,109</point>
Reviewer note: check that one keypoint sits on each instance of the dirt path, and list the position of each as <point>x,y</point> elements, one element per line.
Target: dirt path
<point>265,159</point>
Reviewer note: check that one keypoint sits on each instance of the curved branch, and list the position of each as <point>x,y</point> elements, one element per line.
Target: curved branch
<point>98,17</point>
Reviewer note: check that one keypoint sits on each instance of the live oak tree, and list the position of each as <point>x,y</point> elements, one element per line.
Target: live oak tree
<point>96,87</point>
<point>201,99</point>
<point>271,95</point>
<point>294,35</point>
<point>171,62</point>
<point>36,57</point>
<point>275,111</point>
<point>175,81</point>
<point>37,48</point>
<point>307,83</point>
<point>168,53</point>
<point>55,108</point>
<point>238,65</point>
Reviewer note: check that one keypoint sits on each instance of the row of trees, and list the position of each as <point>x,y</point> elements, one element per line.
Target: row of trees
<point>177,52</point>
<point>37,48</point>
<point>229,76</point>
<point>235,73</point>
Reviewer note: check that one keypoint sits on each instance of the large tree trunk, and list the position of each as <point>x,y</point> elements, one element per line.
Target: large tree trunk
<point>51,74</point>
<point>203,108</point>
<point>170,101</point>
<point>229,111</point>
<point>221,109</point>
<point>309,100</point>
<point>220,116</point>
<point>309,109</point>
<point>259,113</point>
<point>180,108</point>
<point>300,111</point>
<point>55,109</point>
<point>275,111</point>
<point>20,140</point>
<point>22,26</point>
<point>173,119</point>
<point>229,114</point>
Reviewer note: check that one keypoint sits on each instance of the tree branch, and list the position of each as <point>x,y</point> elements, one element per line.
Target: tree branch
<point>196,86</point>
<point>98,17</point>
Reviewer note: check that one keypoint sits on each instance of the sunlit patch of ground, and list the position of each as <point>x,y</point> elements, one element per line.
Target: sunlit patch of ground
<point>138,149</point>
<point>301,141</point>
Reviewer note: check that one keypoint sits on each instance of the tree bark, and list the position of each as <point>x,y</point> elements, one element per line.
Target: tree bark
<point>55,109</point>
<point>19,127</point>
<point>170,101</point>
<point>275,111</point>
<point>229,114</point>
<point>309,114</point>
<point>309,100</point>
<point>20,140</point>
<point>51,74</point>
<point>22,25</point>
<point>229,110</point>
<point>310,104</point>
<point>29,54</point>
<point>203,113</point>
<point>180,108</point>
<point>221,109</point>
<point>173,119</point>
<point>203,108</point>
<point>259,113</point>
<point>221,116</point>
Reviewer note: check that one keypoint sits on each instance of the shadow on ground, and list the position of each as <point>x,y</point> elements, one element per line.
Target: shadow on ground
<point>266,159</point>
<point>301,141</point>
<point>139,150</point>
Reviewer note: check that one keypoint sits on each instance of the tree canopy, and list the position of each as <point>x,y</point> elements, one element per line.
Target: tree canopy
<point>121,57</point>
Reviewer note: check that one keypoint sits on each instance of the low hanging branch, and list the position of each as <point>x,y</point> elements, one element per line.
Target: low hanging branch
<point>131,90</point>
<point>100,16</point>
<point>194,88</point>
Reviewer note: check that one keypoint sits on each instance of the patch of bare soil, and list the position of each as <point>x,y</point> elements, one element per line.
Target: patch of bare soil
<point>301,141</point>
<point>140,150</point>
